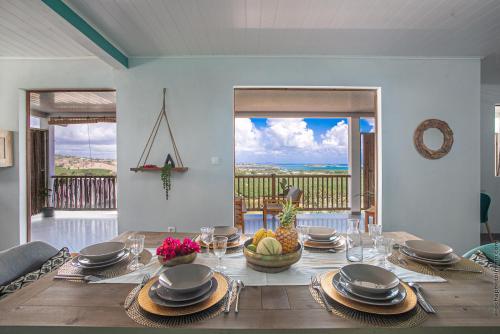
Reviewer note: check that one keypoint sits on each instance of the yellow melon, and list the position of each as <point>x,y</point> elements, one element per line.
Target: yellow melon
<point>269,246</point>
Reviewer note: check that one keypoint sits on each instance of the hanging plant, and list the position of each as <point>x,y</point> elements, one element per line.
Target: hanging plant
<point>165,178</point>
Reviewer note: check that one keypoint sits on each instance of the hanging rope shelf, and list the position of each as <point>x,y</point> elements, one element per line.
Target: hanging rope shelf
<point>142,165</point>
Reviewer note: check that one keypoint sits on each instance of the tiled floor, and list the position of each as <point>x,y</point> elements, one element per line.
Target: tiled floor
<point>75,229</point>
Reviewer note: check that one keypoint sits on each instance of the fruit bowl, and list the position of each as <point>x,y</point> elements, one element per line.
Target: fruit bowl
<point>271,263</point>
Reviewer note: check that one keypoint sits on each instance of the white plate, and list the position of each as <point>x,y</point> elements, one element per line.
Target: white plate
<point>321,233</point>
<point>88,262</point>
<point>373,296</point>
<point>186,277</point>
<point>368,278</point>
<point>103,251</point>
<point>75,262</point>
<point>453,258</point>
<point>400,297</point>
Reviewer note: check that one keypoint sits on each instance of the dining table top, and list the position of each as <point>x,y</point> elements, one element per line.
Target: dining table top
<point>54,306</point>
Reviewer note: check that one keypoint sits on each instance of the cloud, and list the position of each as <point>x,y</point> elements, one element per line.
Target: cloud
<point>74,140</point>
<point>289,140</point>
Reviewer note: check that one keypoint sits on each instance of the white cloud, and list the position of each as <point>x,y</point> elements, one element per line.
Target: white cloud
<point>74,140</point>
<point>289,140</point>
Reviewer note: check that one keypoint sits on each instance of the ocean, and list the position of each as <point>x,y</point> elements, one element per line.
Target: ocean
<point>294,167</point>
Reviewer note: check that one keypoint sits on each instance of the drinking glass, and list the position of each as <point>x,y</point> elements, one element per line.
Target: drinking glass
<point>354,241</point>
<point>136,246</point>
<point>220,247</point>
<point>375,231</point>
<point>388,247</point>
<point>303,233</point>
<point>207,236</point>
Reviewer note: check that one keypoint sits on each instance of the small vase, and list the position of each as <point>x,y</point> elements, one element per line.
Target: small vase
<point>177,260</point>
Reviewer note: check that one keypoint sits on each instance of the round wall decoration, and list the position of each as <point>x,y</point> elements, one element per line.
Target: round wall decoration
<point>418,138</point>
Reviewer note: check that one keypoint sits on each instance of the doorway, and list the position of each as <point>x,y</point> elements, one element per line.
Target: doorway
<point>71,167</point>
<point>320,140</point>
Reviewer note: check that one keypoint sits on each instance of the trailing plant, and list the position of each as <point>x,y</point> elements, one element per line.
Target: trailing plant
<point>165,178</point>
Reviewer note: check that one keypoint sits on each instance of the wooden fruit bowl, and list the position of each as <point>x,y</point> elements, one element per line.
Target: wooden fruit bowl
<point>271,263</point>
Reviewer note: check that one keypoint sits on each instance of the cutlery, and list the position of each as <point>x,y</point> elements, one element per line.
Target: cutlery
<point>87,278</point>
<point>402,261</point>
<point>421,299</point>
<point>456,269</point>
<point>145,279</point>
<point>241,285</point>
<point>317,286</point>
<point>229,296</point>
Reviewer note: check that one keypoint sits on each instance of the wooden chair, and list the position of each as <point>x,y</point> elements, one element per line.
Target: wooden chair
<point>275,206</point>
<point>239,213</point>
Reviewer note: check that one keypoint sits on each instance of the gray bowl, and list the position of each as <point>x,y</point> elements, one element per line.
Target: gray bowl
<point>186,277</point>
<point>103,251</point>
<point>366,278</point>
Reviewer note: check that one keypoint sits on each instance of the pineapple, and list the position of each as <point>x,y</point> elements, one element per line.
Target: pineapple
<point>286,233</point>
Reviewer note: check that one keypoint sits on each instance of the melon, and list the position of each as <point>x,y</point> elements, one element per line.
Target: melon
<point>269,246</point>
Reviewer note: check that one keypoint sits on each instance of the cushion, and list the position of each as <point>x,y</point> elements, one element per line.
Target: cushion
<point>51,264</point>
<point>19,260</point>
<point>480,258</point>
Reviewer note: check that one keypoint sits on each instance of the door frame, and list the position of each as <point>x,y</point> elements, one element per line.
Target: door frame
<point>28,93</point>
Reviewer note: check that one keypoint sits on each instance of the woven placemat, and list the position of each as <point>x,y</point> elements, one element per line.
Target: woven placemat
<point>412,318</point>
<point>398,259</point>
<point>151,320</point>
<point>116,270</point>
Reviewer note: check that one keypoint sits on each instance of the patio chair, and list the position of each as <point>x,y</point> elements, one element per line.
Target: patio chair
<point>275,206</point>
<point>485,206</point>
<point>239,213</point>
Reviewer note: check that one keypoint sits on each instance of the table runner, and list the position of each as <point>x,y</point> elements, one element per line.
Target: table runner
<point>299,274</point>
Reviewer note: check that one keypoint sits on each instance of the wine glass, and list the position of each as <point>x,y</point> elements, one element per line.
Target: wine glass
<point>207,236</point>
<point>303,233</point>
<point>375,232</point>
<point>219,247</point>
<point>136,246</point>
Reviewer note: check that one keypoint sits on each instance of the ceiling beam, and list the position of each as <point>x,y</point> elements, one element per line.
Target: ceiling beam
<point>86,35</point>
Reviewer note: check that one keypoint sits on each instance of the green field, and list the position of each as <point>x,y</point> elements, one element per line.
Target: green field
<point>61,171</point>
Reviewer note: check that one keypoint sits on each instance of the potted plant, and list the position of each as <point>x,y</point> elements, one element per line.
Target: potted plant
<point>173,252</point>
<point>48,209</point>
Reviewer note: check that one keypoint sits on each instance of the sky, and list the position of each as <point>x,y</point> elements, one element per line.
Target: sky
<point>294,140</point>
<point>74,140</point>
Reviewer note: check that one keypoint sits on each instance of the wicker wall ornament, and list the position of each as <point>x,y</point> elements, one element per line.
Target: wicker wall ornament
<point>418,139</point>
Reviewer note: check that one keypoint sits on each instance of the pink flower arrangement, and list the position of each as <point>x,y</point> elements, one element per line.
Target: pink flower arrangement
<point>172,248</point>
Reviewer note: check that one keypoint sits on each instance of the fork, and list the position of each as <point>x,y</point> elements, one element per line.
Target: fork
<point>456,269</point>
<point>316,285</point>
<point>145,279</point>
<point>86,278</point>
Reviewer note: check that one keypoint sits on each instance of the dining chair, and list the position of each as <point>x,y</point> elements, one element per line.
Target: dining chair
<point>239,213</point>
<point>488,250</point>
<point>485,206</point>
<point>275,206</point>
<point>20,260</point>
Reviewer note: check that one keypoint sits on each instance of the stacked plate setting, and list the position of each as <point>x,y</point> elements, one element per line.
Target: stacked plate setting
<point>429,252</point>
<point>101,255</point>
<point>369,285</point>
<point>183,285</point>
<point>323,238</point>
<point>227,231</point>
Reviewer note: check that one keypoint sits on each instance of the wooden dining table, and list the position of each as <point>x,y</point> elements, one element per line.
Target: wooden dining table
<point>56,306</point>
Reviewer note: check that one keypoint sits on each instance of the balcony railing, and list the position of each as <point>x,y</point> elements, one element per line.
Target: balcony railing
<point>84,192</point>
<point>320,191</point>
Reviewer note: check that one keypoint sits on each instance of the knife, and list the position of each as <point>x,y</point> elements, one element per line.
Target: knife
<point>421,299</point>
<point>230,295</point>
<point>145,279</point>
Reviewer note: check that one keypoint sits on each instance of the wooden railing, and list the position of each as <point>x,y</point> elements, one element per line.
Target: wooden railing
<point>84,192</point>
<point>320,191</point>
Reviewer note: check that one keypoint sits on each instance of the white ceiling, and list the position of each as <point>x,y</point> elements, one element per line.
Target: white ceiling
<point>148,28</point>
<point>26,31</point>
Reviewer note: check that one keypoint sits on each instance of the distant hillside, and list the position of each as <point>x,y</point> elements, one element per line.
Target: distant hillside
<point>79,166</point>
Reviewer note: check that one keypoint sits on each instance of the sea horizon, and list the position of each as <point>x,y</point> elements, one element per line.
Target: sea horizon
<point>294,166</point>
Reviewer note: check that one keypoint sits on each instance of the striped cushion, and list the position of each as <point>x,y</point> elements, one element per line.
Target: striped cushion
<point>482,260</point>
<point>51,264</point>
